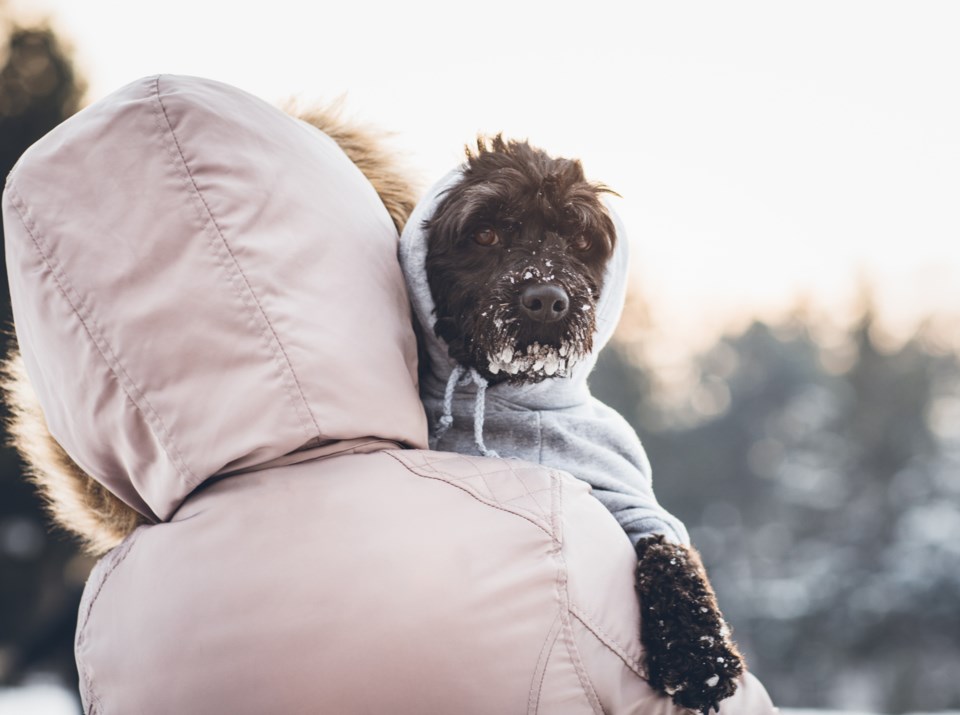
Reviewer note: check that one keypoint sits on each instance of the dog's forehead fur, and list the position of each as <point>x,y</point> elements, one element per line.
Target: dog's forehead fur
<point>513,182</point>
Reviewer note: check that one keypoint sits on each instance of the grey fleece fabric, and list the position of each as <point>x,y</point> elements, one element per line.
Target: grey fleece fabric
<point>556,422</point>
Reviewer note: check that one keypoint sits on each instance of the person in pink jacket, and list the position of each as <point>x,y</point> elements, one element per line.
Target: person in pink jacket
<point>213,324</point>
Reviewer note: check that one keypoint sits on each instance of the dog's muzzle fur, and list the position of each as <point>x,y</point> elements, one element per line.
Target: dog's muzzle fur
<point>512,342</point>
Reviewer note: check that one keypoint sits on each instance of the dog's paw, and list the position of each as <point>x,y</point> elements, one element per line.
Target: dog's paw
<point>689,654</point>
<point>694,679</point>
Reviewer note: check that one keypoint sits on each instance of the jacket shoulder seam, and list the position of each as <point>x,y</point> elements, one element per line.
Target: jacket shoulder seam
<point>495,505</point>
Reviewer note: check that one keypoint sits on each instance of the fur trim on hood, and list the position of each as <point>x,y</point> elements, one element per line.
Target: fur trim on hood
<point>77,502</point>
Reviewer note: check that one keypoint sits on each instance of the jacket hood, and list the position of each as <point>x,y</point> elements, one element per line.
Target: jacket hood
<point>549,393</point>
<point>203,285</point>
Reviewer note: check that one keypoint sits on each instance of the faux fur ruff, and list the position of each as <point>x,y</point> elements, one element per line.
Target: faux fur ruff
<point>77,502</point>
<point>365,147</point>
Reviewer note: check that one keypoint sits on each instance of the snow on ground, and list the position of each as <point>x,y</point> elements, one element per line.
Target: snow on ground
<point>37,700</point>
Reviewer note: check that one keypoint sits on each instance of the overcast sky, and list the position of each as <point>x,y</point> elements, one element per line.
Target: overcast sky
<point>764,150</point>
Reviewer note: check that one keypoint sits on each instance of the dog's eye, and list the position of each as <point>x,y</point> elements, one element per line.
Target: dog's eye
<point>582,242</point>
<point>487,237</point>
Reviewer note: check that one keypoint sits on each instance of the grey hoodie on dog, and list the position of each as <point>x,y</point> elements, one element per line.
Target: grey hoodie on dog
<point>556,422</point>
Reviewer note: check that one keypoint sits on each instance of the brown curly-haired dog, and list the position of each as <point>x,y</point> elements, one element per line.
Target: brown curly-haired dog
<point>516,207</point>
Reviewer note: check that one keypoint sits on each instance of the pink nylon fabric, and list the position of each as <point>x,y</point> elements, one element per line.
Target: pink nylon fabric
<point>184,268</point>
<point>204,287</point>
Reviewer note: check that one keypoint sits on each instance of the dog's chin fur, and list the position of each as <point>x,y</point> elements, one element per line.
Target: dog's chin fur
<point>539,207</point>
<point>505,348</point>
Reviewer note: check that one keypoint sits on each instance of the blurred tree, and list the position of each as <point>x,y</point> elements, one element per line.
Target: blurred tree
<point>39,88</point>
<point>41,574</point>
<point>822,491</point>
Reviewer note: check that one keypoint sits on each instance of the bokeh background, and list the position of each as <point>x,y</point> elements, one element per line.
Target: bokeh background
<point>790,175</point>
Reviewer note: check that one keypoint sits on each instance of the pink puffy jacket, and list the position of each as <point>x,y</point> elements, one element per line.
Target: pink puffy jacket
<point>210,309</point>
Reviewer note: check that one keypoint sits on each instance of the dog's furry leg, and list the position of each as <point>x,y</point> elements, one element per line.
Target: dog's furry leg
<point>689,654</point>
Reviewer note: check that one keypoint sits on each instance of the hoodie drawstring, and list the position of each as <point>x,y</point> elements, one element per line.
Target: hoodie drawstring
<point>446,419</point>
<point>478,410</point>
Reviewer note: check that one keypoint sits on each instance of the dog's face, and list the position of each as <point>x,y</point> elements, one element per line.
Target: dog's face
<point>516,256</point>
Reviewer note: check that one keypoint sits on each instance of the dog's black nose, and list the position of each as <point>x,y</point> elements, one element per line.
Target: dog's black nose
<point>544,303</point>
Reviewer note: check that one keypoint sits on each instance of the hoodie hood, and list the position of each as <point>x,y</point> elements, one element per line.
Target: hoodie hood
<point>549,393</point>
<point>555,422</point>
<point>203,285</point>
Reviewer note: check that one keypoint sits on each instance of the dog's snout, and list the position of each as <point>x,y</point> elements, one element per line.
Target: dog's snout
<point>544,302</point>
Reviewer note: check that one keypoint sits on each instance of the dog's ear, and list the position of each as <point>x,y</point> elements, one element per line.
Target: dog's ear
<point>609,230</point>
<point>449,330</point>
<point>602,221</point>
<point>583,206</point>
<point>446,328</point>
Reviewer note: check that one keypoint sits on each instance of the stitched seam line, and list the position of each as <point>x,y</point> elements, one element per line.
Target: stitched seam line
<point>476,496</point>
<point>574,653</point>
<point>116,559</point>
<point>556,504</point>
<point>76,303</point>
<point>278,353</point>
<point>533,704</point>
<point>533,499</point>
<point>609,642</point>
<point>515,475</point>
<point>567,629</point>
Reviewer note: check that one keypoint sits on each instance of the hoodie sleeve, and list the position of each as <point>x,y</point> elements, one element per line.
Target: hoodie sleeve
<point>594,443</point>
